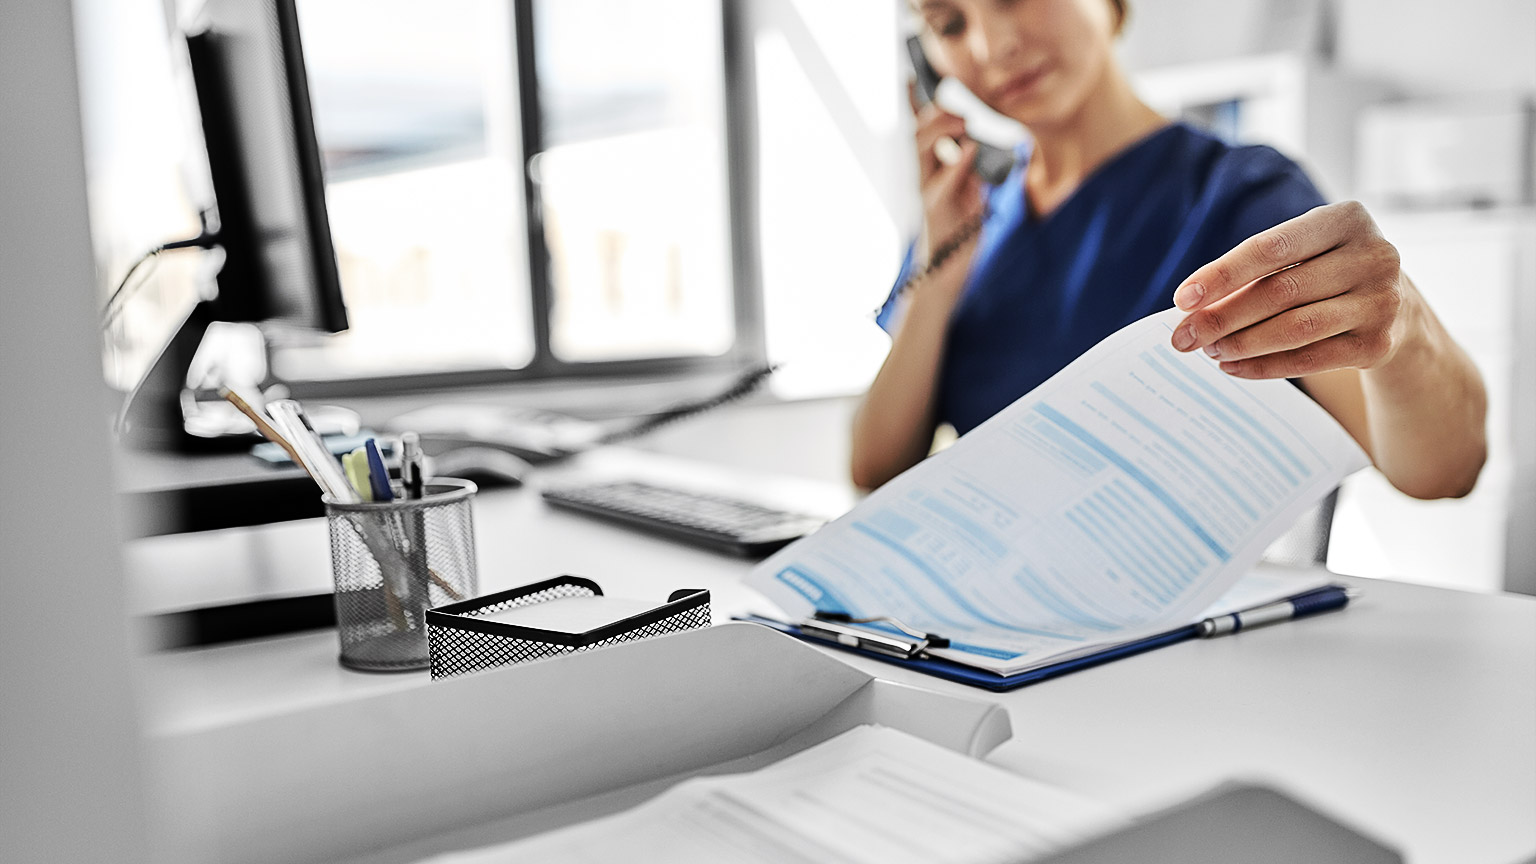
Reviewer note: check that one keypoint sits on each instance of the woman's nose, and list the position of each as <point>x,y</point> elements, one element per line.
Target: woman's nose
<point>994,40</point>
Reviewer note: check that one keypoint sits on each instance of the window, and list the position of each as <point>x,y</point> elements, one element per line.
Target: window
<point>451,129</point>
<point>709,182</point>
<point>838,186</point>
<point>632,178</point>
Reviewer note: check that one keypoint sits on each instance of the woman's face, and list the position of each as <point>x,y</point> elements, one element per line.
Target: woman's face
<point>1036,61</point>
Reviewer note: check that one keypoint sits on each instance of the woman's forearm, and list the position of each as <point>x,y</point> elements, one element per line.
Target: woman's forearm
<point>1426,408</point>
<point>893,427</point>
<point>1323,297</point>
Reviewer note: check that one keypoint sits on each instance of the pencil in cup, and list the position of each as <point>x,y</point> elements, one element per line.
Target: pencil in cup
<point>391,562</point>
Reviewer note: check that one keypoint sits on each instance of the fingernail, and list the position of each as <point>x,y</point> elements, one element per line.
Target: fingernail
<point>947,151</point>
<point>1212,351</point>
<point>1184,338</point>
<point>1189,296</point>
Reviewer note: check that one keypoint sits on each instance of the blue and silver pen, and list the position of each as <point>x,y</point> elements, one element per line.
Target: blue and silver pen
<point>378,475</point>
<point>1323,599</point>
<point>864,640</point>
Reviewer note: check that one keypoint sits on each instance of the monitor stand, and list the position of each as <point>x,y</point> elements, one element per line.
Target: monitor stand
<point>150,416</point>
<point>157,414</point>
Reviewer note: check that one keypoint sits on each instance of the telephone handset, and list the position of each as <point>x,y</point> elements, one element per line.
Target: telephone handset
<point>993,163</point>
<point>927,76</point>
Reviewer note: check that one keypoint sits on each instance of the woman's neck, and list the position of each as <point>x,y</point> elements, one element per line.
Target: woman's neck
<point>1111,119</point>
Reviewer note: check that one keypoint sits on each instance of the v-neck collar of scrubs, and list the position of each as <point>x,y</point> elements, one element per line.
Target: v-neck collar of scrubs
<point>1108,167</point>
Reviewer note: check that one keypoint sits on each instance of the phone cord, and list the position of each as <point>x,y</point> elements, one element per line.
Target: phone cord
<point>963,235</point>
<point>743,386</point>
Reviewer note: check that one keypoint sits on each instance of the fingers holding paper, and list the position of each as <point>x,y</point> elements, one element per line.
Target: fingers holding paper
<point>1321,292</point>
<point>1322,297</point>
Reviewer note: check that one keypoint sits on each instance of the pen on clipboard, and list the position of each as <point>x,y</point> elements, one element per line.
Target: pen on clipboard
<point>1325,599</point>
<point>864,640</point>
<point>839,628</point>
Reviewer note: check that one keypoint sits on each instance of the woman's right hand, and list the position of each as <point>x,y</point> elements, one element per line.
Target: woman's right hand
<point>893,428</point>
<point>951,191</point>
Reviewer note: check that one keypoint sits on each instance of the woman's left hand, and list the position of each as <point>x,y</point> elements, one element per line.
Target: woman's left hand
<point>1320,292</point>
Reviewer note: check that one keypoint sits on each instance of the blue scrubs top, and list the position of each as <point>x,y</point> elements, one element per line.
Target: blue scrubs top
<point>1042,291</point>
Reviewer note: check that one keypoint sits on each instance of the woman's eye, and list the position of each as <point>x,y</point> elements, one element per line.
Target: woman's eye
<point>949,27</point>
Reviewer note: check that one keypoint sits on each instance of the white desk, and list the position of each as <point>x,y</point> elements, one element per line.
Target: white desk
<point>1411,715</point>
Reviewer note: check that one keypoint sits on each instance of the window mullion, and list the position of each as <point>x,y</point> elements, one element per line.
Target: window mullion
<point>530,118</point>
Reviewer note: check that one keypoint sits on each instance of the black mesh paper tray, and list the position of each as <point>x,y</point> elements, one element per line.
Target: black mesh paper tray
<point>461,642</point>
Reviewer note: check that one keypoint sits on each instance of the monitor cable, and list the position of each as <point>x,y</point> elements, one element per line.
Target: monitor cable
<point>120,295</point>
<point>123,291</point>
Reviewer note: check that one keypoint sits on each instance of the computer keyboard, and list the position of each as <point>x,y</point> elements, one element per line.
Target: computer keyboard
<point>714,521</point>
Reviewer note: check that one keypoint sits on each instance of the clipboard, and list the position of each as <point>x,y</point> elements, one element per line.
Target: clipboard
<point>950,670</point>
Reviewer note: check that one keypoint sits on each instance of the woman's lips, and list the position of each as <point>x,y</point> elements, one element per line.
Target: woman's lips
<point>1019,86</point>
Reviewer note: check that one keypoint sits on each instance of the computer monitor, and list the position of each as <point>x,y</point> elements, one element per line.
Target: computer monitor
<point>270,220</point>
<point>253,96</point>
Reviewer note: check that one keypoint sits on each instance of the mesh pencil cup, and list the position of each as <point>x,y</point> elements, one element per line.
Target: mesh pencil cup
<point>392,562</point>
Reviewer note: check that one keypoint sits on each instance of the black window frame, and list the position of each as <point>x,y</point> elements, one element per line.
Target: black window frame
<point>749,347</point>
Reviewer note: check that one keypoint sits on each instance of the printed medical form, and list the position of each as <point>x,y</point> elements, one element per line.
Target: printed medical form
<point>1123,496</point>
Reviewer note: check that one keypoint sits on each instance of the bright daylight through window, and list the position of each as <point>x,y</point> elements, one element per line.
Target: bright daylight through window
<point>420,119</point>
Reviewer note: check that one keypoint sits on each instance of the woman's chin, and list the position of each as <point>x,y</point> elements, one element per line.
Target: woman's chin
<point>1037,115</point>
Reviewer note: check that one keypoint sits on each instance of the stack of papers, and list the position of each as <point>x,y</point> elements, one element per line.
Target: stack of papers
<point>871,795</point>
<point>1119,500</point>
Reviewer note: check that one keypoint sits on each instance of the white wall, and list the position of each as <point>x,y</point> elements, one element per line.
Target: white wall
<point>1473,265</point>
<point>1428,47</point>
<point>1433,48</point>
<point>837,196</point>
<point>70,778</point>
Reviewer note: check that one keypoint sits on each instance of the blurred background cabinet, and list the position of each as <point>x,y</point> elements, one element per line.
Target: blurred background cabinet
<point>1478,271</point>
<point>1447,164</point>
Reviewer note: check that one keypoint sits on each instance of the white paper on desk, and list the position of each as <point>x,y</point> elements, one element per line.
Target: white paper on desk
<point>570,614</point>
<point>1119,499</point>
<point>871,794</point>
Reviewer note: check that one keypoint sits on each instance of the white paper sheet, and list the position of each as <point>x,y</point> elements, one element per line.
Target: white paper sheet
<point>571,614</point>
<point>871,795</point>
<point>1120,498</point>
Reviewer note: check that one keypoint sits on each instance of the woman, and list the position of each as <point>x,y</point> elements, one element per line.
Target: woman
<point>1116,210</point>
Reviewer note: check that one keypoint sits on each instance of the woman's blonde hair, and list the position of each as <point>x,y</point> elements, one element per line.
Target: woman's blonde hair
<point>1119,7</point>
